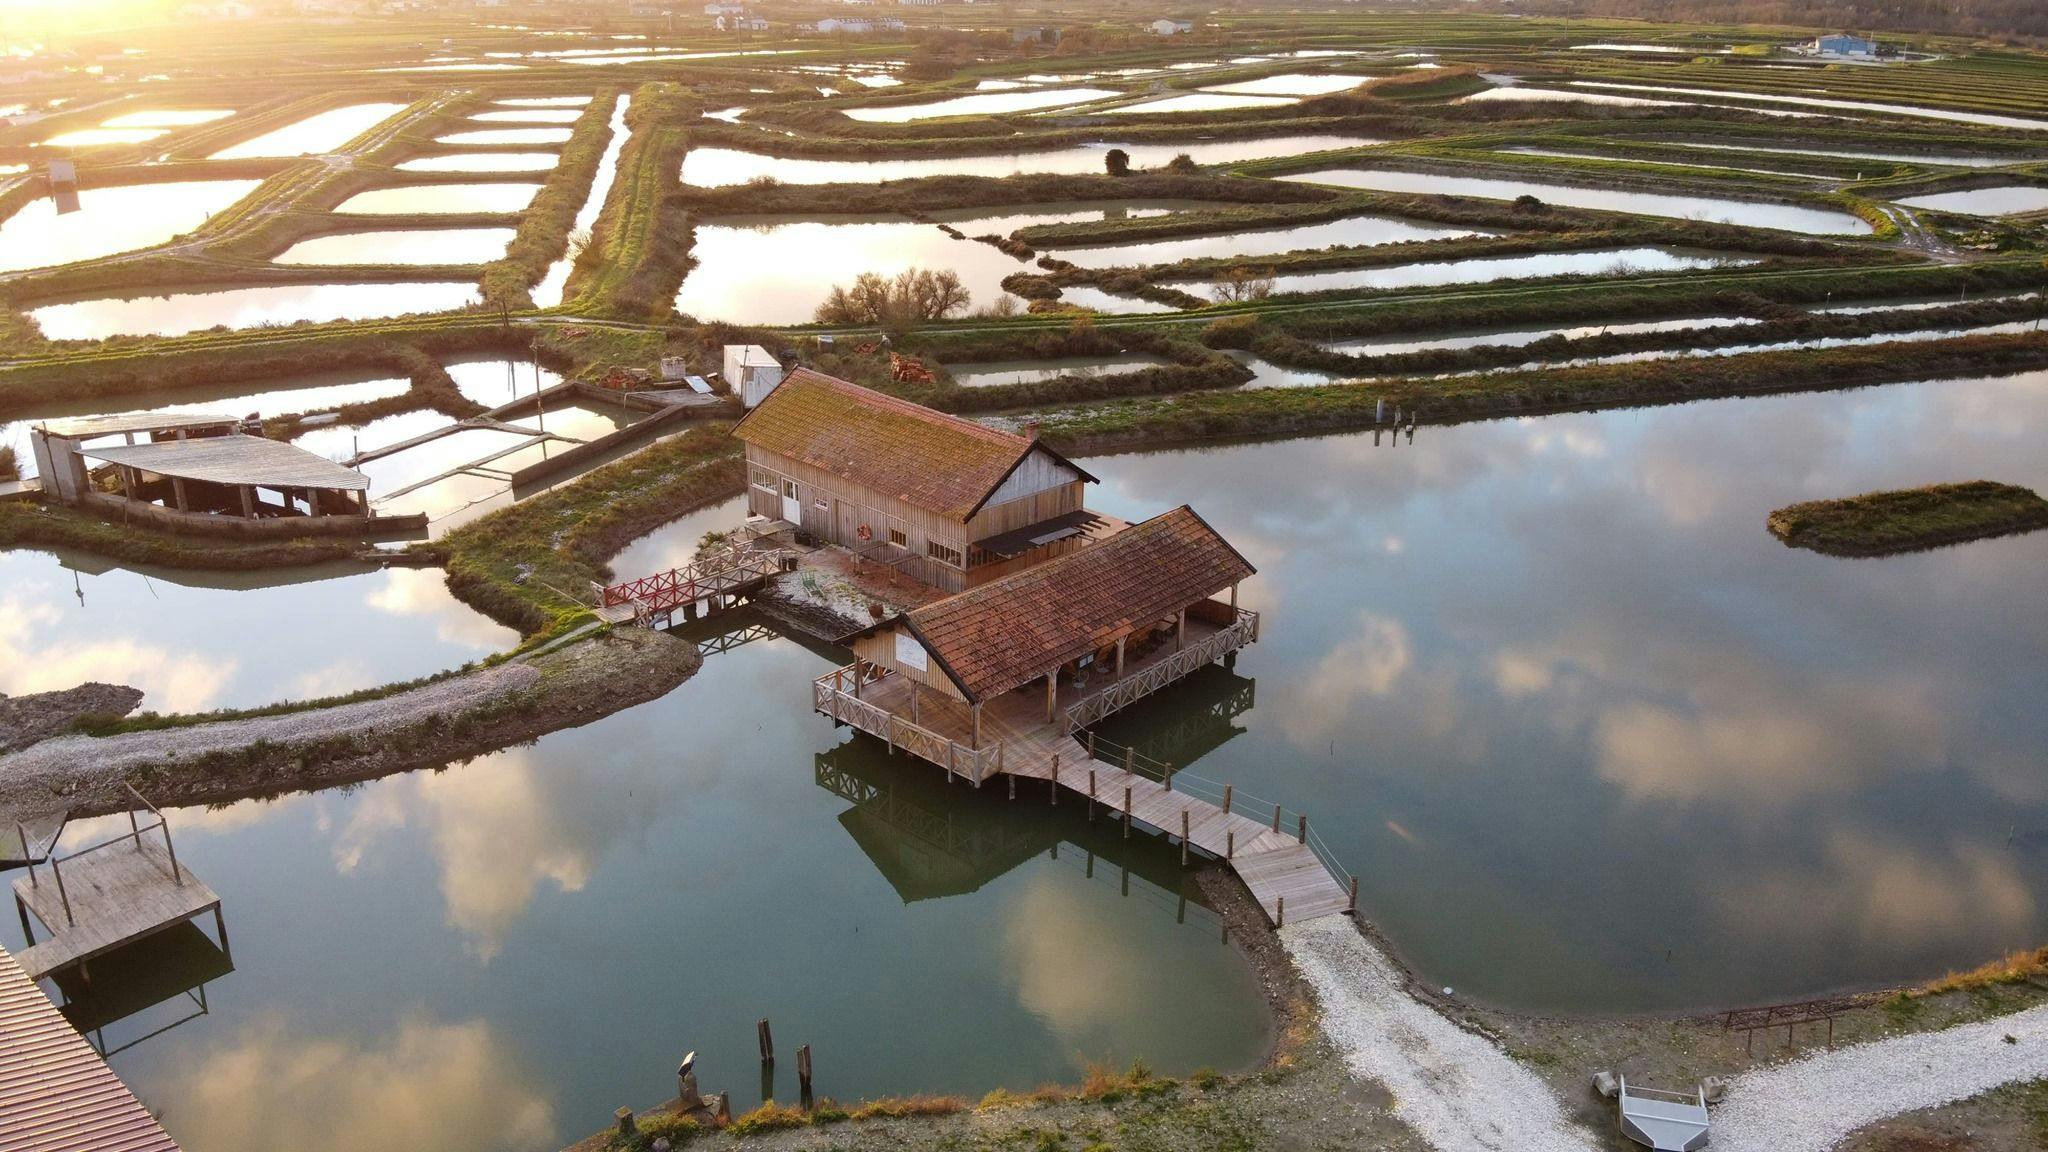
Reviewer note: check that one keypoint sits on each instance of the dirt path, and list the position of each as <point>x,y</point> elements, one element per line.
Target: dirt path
<point>1454,1087</point>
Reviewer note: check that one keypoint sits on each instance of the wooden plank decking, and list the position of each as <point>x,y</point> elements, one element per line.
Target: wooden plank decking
<point>1274,865</point>
<point>118,892</point>
<point>56,1094</point>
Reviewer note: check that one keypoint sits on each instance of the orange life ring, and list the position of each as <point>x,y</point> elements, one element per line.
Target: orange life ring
<point>866,533</point>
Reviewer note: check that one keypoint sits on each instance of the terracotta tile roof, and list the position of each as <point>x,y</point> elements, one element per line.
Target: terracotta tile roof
<point>940,463</point>
<point>56,1094</point>
<point>1007,632</point>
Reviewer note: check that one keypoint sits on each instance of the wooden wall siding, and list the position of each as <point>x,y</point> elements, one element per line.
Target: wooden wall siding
<point>1037,473</point>
<point>996,519</point>
<point>983,573</point>
<point>850,505</point>
<point>880,649</point>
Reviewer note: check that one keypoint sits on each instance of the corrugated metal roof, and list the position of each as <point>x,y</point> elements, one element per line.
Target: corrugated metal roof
<point>234,460</point>
<point>56,1094</point>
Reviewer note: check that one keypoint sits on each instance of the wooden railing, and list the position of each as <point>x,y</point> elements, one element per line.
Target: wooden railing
<point>976,764</point>
<point>1145,681</point>
<point>711,574</point>
<point>55,862</point>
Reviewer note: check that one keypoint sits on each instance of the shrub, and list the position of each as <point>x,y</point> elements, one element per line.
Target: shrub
<point>913,297</point>
<point>10,469</point>
<point>769,1117</point>
<point>1117,162</point>
<point>897,1107</point>
<point>1183,165</point>
<point>2015,968</point>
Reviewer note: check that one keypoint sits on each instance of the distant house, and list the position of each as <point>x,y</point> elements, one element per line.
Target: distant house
<point>1843,44</point>
<point>715,10</point>
<point>835,24</point>
<point>1171,27</point>
<point>944,500</point>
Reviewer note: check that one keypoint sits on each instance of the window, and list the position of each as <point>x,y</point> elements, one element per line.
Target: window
<point>764,479</point>
<point>818,498</point>
<point>898,538</point>
<point>789,489</point>
<point>943,553</point>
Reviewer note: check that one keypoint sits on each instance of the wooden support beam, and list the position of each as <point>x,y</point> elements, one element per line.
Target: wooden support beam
<point>976,739</point>
<point>248,501</point>
<point>1180,630</point>
<point>178,494</point>
<point>1052,695</point>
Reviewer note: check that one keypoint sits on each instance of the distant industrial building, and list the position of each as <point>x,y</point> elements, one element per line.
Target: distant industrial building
<point>1843,44</point>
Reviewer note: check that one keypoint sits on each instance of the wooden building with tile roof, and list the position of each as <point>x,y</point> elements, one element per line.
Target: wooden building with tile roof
<point>948,501</point>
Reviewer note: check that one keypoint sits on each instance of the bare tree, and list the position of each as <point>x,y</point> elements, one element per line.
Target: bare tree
<point>1243,285</point>
<point>915,296</point>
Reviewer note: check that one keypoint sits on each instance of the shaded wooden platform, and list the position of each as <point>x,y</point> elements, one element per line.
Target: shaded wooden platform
<point>56,1093</point>
<point>98,899</point>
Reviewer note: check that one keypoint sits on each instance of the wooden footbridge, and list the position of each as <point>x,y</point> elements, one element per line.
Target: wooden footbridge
<point>717,580</point>
<point>1288,868</point>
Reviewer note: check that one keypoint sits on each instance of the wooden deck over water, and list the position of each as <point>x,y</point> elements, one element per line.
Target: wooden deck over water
<point>1267,849</point>
<point>98,899</point>
<point>56,1093</point>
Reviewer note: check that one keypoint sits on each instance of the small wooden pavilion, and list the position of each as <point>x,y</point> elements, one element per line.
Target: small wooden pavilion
<point>1013,667</point>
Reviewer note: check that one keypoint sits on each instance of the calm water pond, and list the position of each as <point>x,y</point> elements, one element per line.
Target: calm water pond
<point>507,136</point>
<point>315,134</point>
<point>112,220</point>
<point>720,167</point>
<point>245,308</point>
<point>548,293</point>
<point>2005,201</point>
<point>1984,118</point>
<point>103,137</point>
<point>529,116</point>
<point>1595,740</point>
<point>484,162</point>
<point>544,101</point>
<point>194,641</point>
<point>1352,231</point>
<point>439,246</point>
<point>1293,84</point>
<point>985,104</point>
<point>1097,300</point>
<point>440,198</point>
<point>1754,214</point>
<point>1891,157</point>
<point>880,908</point>
<point>1201,102</point>
<point>1520,337</point>
<point>168,118</point>
<point>1606,262</point>
<point>992,373</point>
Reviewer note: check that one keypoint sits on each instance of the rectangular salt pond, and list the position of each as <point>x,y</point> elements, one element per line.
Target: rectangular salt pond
<point>103,137</point>
<point>2009,200</point>
<point>544,102</point>
<point>1887,157</point>
<point>440,198</point>
<point>1522,337</point>
<point>986,104</point>
<point>507,136</point>
<point>169,118</point>
<point>1987,119</point>
<point>1359,231</point>
<point>1097,300</point>
<point>1200,102</point>
<point>723,167</point>
<point>483,162</point>
<point>1292,84</point>
<point>424,246</point>
<point>530,116</point>
<point>995,373</point>
<point>499,381</point>
<point>774,270</point>
<point>177,314</point>
<point>1607,262</point>
<point>1749,213</point>
<point>315,135</point>
<point>112,220</point>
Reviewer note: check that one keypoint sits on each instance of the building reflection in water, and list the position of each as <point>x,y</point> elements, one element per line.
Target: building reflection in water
<point>168,970</point>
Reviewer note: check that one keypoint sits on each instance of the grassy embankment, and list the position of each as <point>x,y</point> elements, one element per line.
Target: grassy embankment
<point>1910,520</point>
<point>530,566</point>
<point>543,235</point>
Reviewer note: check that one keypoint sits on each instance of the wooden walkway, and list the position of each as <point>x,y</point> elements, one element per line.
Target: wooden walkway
<point>56,1093</point>
<point>716,580</point>
<point>1277,864</point>
<point>102,897</point>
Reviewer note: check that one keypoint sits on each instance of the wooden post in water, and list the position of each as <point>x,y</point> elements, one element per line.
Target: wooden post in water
<point>1302,835</point>
<point>1127,811</point>
<point>1130,757</point>
<point>1276,817</point>
<point>1055,779</point>
<point>1091,793</point>
<point>767,1039</point>
<point>1183,837</point>
<point>625,1118</point>
<point>803,1073</point>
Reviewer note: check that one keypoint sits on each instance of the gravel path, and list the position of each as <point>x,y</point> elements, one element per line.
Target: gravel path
<point>1811,1104</point>
<point>1454,1087</point>
<point>66,763</point>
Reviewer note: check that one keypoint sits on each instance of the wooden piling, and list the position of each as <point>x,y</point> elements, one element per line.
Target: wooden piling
<point>1230,845</point>
<point>803,1071</point>
<point>1127,811</point>
<point>1353,906</point>
<point>1183,837</point>
<point>1091,793</point>
<point>1013,787</point>
<point>625,1117</point>
<point>1276,817</point>
<point>1302,835</point>
<point>767,1038</point>
<point>1228,790</point>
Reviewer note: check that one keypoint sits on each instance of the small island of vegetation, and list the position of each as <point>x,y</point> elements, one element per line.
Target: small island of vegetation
<point>1911,519</point>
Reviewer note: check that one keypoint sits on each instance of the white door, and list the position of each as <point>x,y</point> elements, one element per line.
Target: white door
<point>792,508</point>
